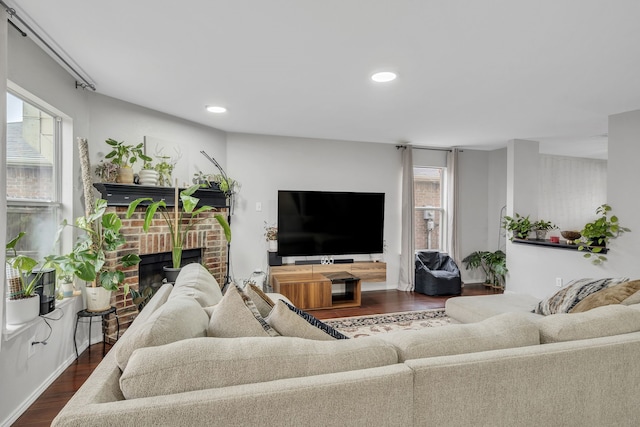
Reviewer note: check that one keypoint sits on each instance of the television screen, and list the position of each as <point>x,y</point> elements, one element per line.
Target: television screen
<point>329,223</point>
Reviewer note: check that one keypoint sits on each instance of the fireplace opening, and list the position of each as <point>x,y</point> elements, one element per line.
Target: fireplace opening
<point>150,272</point>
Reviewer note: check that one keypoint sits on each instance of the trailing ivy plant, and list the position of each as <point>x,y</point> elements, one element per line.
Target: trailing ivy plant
<point>597,234</point>
<point>519,225</point>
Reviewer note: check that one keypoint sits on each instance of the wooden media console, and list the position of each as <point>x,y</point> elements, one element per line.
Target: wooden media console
<point>311,287</point>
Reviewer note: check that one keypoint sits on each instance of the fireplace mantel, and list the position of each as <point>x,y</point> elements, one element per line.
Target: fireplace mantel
<point>123,194</point>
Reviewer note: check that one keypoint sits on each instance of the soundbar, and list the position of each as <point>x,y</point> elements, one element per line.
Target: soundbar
<point>318,261</point>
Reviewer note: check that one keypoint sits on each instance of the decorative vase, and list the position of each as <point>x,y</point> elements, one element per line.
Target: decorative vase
<point>98,298</point>
<point>148,177</point>
<point>171,274</point>
<point>23,310</point>
<point>541,234</point>
<point>125,175</point>
<point>273,245</point>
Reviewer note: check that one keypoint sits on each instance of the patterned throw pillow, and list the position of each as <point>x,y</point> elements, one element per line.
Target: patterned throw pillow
<point>290,321</point>
<point>565,299</point>
<point>612,295</point>
<point>263,303</point>
<point>237,316</point>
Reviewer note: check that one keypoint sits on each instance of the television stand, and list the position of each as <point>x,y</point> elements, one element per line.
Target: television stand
<point>310,287</point>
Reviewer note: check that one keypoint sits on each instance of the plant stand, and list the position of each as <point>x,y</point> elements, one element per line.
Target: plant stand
<point>91,315</point>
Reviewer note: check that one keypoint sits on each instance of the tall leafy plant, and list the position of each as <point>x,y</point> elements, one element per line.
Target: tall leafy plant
<point>180,219</point>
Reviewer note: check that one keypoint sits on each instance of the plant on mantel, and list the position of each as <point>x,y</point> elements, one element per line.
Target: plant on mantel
<point>125,156</point>
<point>178,228</point>
<point>597,234</point>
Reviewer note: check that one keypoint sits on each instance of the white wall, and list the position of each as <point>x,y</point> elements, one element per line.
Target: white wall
<point>266,164</point>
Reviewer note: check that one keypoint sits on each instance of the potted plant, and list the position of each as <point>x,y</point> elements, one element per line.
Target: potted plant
<point>271,234</point>
<point>597,234</point>
<point>519,225</point>
<point>493,265</point>
<point>542,227</point>
<point>23,277</point>
<point>180,220</point>
<point>88,257</point>
<point>125,156</point>
<point>227,185</point>
<point>165,167</point>
<point>106,171</point>
<point>148,174</point>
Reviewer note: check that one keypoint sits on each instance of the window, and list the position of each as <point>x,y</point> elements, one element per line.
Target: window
<point>33,176</point>
<point>429,215</point>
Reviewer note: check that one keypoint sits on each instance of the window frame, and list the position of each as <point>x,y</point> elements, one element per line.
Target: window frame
<point>442,226</point>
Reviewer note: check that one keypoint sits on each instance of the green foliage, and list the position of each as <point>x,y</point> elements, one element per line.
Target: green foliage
<point>519,225</point>
<point>178,231</point>
<point>543,225</point>
<point>102,235</point>
<point>226,184</point>
<point>125,155</point>
<point>597,234</point>
<point>493,264</point>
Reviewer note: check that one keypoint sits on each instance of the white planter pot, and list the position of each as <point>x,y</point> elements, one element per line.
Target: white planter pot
<point>98,298</point>
<point>148,177</point>
<point>22,310</point>
<point>273,245</point>
<point>67,289</point>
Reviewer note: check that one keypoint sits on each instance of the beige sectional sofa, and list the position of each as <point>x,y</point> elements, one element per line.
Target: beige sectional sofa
<point>491,373</point>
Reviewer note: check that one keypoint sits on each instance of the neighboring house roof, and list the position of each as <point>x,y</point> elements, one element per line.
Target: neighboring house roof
<point>20,151</point>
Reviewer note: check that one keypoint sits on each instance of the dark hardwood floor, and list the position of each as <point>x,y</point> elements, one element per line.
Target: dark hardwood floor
<point>47,406</point>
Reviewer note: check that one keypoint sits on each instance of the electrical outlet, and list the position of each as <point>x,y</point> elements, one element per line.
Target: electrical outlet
<point>258,206</point>
<point>559,282</point>
<point>31,350</point>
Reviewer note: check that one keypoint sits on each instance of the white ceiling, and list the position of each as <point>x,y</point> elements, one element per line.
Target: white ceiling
<point>472,73</point>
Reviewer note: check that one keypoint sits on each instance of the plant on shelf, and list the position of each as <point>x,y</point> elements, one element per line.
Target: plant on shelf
<point>165,167</point>
<point>180,219</point>
<point>125,156</point>
<point>271,235</point>
<point>148,174</point>
<point>493,265</point>
<point>542,227</point>
<point>106,171</point>
<point>88,258</point>
<point>519,225</point>
<point>202,179</point>
<point>227,185</point>
<point>597,234</point>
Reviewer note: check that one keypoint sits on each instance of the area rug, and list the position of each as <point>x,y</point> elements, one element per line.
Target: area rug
<point>363,326</point>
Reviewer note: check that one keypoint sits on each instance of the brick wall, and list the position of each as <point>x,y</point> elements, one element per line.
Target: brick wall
<point>206,234</point>
<point>427,193</point>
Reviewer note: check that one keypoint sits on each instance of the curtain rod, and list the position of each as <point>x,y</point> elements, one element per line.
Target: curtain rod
<point>424,148</point>
<point>12,14</point>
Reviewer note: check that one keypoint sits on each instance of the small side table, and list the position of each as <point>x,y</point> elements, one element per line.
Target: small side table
<point>91,314</point>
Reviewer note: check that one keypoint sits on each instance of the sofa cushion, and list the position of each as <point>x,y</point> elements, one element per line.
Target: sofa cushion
<point>178,319</point>
<point>205,363</point>
<point>632,300</point>
<point>506,330</point>
<point>195,281</point>
<point>263,303</point>
<point>471,309</point>
<point>577,290</point>
<point>290,321</point>
<point>612,295</point>
<point>599,322</point>
<point>237,316</point>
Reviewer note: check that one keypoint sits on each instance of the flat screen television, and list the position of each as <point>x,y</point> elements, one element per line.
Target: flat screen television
<point>330,223</point>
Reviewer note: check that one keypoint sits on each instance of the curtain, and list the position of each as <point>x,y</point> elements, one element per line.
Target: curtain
<point>3,157</point>
<point>407,263</point>
<point>452,205</point>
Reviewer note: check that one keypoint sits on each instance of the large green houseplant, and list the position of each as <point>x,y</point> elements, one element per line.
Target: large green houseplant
<point>180,219</point>
<point>88,257</point>
<point>493,265</point>
<point>597,234</point>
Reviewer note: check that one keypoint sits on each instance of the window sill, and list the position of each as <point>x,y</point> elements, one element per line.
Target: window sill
<point>549,244</point>
<point>12,331</point>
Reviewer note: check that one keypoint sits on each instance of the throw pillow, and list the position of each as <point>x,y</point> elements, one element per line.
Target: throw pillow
<point>263,303</point>
<point>207,363</point>
<point>290,321</point>
<point>613,295</point>
<point>632,300</point>
<point>599,322</point>
<point>237,316</point>
<point>195,281</point>
<point>178,319</point>
<point>565,299</point>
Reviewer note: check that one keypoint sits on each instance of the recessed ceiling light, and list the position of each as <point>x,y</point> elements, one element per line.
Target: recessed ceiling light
<point>383,77</point>
<point>216,109</point>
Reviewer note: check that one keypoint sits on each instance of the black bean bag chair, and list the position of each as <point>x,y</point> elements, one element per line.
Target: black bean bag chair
<point>437,274</point>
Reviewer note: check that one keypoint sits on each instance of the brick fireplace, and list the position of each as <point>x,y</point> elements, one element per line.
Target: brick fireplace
<point>206,238</point>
